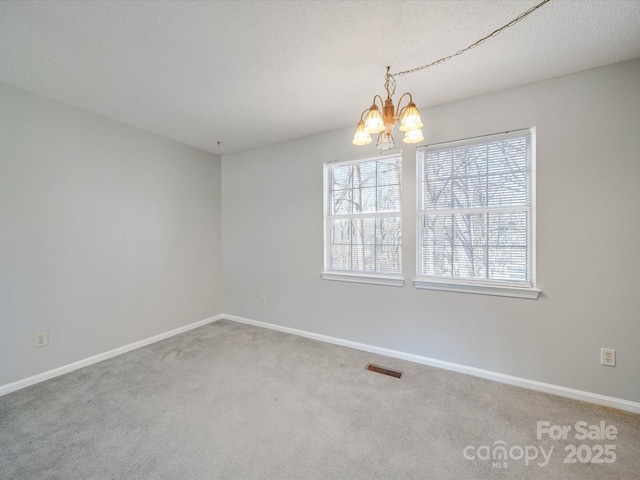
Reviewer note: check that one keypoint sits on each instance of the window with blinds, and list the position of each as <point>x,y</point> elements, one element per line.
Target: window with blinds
<point>475,208</point>
<point>363,216</point>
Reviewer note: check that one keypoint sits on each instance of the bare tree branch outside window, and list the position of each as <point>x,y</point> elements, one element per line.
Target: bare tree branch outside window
<point>365,216</point>
<point>475,210</point>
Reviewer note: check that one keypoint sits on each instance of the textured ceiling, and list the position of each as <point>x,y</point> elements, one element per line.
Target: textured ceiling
<point>254,73</point>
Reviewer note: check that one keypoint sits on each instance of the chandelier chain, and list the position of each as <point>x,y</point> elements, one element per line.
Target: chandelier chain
<point>473,45</point>
<point>389,84</point>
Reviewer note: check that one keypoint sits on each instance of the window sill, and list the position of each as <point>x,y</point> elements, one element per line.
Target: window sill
<point>498,290</point>
<point>390,281</point>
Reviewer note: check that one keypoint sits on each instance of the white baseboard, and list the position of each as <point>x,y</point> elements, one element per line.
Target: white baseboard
<point>596,398</point>
<point>41,377</point>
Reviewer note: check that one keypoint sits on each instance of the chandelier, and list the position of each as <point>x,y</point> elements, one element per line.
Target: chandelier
<point>383,123</point>
<point>381,119</point>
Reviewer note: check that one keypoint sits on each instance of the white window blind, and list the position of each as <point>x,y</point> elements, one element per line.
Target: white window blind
<point>475,210</point>
<point>363,216</point>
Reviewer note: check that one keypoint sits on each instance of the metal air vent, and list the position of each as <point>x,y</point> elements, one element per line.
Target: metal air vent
<point>384,371</point>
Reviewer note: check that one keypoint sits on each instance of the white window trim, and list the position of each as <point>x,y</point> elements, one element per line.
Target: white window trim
<point>388,280</point>
<point>484,288</point>
<point>347,276</point>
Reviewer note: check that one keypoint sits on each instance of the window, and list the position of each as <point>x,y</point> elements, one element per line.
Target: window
<point>363,220</point>
<point>476,215</point>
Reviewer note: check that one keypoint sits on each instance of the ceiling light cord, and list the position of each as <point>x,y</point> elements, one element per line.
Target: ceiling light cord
<point>473,45</point>
<point>381,119</point>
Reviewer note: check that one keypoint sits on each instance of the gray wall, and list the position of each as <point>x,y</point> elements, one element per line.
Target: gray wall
<point>588,224</point>
<point>108,234</point>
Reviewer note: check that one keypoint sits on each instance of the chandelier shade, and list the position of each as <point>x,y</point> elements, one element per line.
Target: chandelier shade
<point>413,136</point>
<point>410,118</point>
<point>361,137</point>
<point>385,142</point>
<point>373,122</point>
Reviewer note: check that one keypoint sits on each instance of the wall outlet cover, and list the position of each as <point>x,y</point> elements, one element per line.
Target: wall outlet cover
<point>40,339</point>
<point>608,357</point>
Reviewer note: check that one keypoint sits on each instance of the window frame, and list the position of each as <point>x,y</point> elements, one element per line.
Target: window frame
<point>356,276</point>
<point>476,286</point>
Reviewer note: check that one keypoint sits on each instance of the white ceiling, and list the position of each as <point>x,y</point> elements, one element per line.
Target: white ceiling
<point>254,73</point>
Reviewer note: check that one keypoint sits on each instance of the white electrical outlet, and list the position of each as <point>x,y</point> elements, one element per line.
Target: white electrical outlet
<point>608,357</point>
<point>40,339</point>
<point>263,301</point>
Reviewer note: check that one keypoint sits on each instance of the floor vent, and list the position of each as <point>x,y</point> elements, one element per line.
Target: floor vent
<point>385,371</point>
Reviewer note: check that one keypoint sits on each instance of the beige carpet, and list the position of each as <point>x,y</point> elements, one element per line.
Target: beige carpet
<point>229,401</point>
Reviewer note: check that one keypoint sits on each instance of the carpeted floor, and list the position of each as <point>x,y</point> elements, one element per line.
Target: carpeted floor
<point>230,401</point>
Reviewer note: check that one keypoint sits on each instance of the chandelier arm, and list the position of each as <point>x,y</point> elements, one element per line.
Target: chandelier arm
<point>381,101</point>
<point>473,45</point>
<point>399,109</point>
